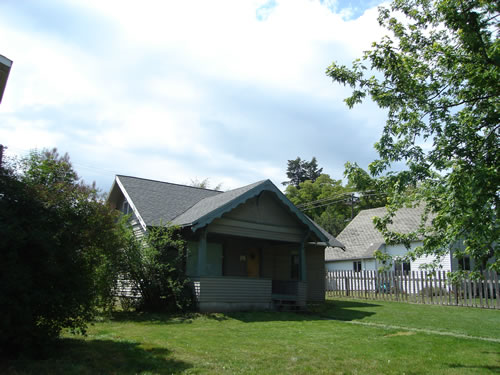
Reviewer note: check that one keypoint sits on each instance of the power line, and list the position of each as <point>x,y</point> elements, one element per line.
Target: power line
<point>313,203</point>
<point>326,204</point>
<point>321,200</point>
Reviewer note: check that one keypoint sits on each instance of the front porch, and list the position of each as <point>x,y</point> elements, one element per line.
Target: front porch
<point>229,293</point>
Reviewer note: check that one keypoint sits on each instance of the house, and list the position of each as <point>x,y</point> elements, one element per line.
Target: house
<point>361,240</point>
<point>249,248</point>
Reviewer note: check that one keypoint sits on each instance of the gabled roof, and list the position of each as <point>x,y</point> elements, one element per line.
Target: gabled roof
<point>150,198</point>
<point>156,202</point>
<point>360,237</point>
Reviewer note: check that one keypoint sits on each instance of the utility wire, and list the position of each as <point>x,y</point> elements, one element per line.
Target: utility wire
<point>322,200</point>
<point>308,205</point>
<point>326,204</point>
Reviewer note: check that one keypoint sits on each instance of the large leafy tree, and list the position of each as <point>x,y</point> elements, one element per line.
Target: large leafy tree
<point>437,74</point>
<point>333,205</point>
<point>299,170</point>
<point>58,252</point>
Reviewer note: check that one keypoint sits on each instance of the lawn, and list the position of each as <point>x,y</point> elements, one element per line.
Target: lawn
<point>339,337</point>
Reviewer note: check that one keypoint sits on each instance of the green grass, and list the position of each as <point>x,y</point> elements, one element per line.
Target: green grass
<point>454,319</point>
<point>323,341</point>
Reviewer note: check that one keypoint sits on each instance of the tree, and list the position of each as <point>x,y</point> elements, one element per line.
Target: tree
<point>155,266</point>
<point>438,78</point>
<point>205,184</point>
<point>331,204</point>
<point>57,254</point>
<point>299,170</point>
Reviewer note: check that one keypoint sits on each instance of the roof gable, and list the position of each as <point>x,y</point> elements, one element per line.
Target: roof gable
<point>161,202</point>
<point>211,208</point>
<point>156,202</point>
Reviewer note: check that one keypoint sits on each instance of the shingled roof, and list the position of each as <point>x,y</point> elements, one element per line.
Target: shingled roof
<point>360,237</point>
<point>157,202</point>
<point>161,202</point>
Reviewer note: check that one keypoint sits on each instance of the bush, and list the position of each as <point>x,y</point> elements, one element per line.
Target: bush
<point>59,244</point>
<point>155,267</point>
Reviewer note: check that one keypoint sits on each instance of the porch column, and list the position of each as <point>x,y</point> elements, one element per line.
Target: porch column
<point>202,253</point>
<point>302,256</point>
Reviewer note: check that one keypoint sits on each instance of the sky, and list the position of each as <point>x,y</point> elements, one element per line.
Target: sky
<point>180,91</point>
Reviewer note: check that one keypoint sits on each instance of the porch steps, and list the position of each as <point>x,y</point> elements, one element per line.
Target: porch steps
<point>287,305</point>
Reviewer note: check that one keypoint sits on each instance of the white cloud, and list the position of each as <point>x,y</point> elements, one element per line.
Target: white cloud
<point>166,71</point>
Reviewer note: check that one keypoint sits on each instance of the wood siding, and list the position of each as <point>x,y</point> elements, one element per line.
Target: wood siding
<point>242,228</point>
<point>233,289</point>
<point>302,293</point>
<point>136,227</point>
<point>263,217</point>
<point>315,262</point>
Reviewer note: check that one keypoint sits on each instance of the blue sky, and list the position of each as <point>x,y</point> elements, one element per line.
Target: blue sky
<point>183,90</point>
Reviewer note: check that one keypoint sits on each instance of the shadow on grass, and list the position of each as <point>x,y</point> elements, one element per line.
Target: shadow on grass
<point>160,318</point>
<point>494,369</point>
<point>343,310</point>
<point>79,356</point>
<point>335,310</point>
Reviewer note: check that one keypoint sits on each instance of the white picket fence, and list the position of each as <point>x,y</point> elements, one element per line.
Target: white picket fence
<point>415,287</point>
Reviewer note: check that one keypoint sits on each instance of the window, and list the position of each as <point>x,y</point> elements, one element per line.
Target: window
<point>406,267</point>
<point>464,263</point>
<point>356,266</point>
<point>126,207</point>
<point>403,267</point>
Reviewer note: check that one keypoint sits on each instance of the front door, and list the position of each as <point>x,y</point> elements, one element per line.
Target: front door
<point>253,263</point>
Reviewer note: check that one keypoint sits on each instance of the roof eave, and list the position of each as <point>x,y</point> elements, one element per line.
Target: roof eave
<point>265,186</point>
<point>131,203</point>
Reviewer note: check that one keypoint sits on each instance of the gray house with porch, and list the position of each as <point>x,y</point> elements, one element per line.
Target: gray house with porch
<point>250,248</point>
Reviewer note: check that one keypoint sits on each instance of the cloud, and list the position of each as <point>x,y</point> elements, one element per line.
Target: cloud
<point>182,90</point>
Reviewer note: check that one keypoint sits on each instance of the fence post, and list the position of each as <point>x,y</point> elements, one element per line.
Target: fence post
<point>490,283</point>
<point>414,290</point>
<point>469,291</point>
<point>481,292</point>
<point>497,291</point>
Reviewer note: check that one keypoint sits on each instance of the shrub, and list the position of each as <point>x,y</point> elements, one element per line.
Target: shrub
<point>155,265</point>
<point>59,244</point>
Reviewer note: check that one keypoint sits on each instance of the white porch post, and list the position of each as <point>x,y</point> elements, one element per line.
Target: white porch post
<point>202,253</point>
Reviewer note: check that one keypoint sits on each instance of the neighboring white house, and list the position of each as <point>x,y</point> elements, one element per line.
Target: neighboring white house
<point>361,240</point>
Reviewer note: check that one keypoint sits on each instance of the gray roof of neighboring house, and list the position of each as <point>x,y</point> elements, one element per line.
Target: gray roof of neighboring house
<point>360,237</point>
<point>159,202</point>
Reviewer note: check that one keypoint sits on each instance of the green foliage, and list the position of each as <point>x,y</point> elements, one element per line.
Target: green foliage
<point>59,242</point>
<point>299,170</point>
<point>324,200</point>
<point>155,266</point>
<point>205,184</point>
<point>438,77</point>
<point>330,204</point>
